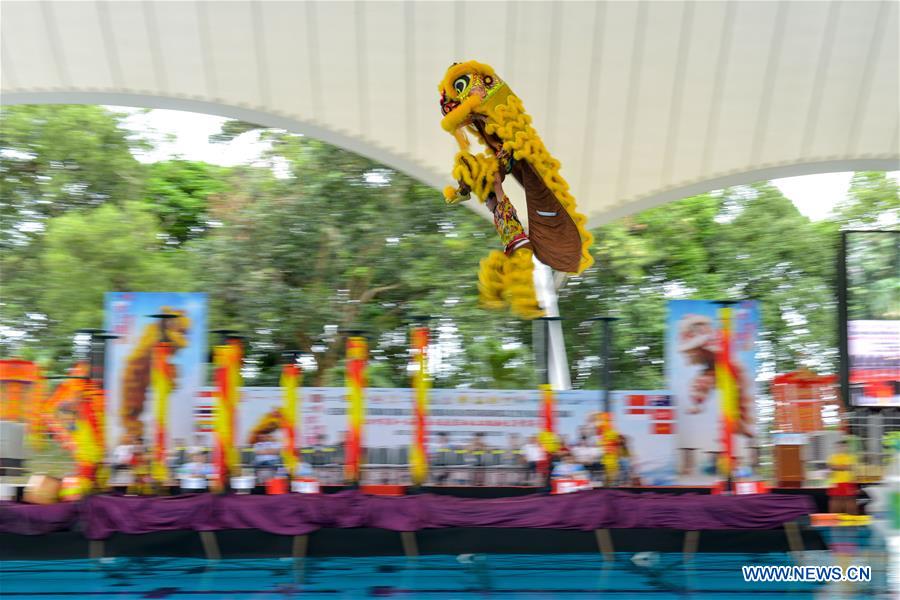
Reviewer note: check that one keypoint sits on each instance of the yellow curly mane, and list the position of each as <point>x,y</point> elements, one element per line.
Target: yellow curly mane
<point>502,279</point>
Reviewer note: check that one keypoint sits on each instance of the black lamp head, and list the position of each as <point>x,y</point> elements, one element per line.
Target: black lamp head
<point>290,356</point>
<point>355,331</point>
<point>603,318</point>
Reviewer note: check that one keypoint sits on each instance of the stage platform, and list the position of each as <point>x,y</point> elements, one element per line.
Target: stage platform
<point>818,495</point>
<point>352,523</point>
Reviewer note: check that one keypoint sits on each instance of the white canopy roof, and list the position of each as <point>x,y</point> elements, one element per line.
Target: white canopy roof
<point>642,102</point>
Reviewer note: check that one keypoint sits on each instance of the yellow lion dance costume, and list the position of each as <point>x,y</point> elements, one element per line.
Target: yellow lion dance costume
<point>475,100</point>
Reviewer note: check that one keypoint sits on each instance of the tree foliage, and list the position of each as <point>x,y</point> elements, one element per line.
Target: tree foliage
<point>332,242</point>
<point>54,159</point>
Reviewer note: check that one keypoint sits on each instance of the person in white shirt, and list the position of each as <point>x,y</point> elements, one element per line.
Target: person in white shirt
<point>534,454</point>
<point>123,454</point>
<point>587,454</point>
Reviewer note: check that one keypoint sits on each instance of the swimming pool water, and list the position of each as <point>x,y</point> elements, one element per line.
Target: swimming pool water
<point>508,576</point>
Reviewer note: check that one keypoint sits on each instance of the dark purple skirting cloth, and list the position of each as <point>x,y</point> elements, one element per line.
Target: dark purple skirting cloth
<point>105,515</point>
<point>35,519</point>
<point>300,514</point>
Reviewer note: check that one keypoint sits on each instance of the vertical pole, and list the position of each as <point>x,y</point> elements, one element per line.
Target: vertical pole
<point>544,362</point>
<point>558,367</point>
<point>607,367</point>
<point>727,385</point>
<point>161,382</point>
<point>290,381</point>
<point>88,431</point>
<point>357,353</point>
<point>843,351</point>
<point>234,390</point>
<point>227,357</point>
<point>418,460</point>
<point>607,436</point>
<point>222,420</point>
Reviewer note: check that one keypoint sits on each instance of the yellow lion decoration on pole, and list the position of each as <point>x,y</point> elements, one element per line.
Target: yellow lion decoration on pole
<point>474,100</point>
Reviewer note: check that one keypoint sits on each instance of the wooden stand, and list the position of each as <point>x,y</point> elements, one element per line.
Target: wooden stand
<point>789,471</point>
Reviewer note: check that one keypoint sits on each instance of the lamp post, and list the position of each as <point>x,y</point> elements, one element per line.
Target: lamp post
<point>227,358</point>
<point>291,377</point>
<point>99,347</point>
<point>606,432</point>
<point>356,383</point>
<point>605,373</point>
<point>729,394</point>
<point>547,436</point>
<point>89,442</point>
<point>161,378</point>
<point>418,452</point>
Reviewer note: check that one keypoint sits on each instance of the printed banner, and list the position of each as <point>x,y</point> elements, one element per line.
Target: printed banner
<point>504,417</point>
<point>692,342</point>
<point>129,395</point>
<point>874,349</point>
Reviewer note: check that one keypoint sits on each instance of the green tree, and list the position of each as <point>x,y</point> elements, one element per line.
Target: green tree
<point>345,243</point>
<point>872,202</point>
<point>88,253</point>
<point>58,158</point>
<point>744,242</point>
<point>53,159</point>
<point>178,192</point>
<point>336,242</point>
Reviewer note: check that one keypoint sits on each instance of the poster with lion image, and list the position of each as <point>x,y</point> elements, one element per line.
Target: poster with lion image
<point>693,330</point>
<point>129,396</point>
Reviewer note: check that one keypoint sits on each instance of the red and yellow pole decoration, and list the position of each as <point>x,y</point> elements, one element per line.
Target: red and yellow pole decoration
<point>608,438</point>
<point>727,384</point>
<point>418,452</point>
<point>547,437</point>
<point>161,380</point>
<point>290,378</point>
<point>234,390</point>
<point>227,360</point>
<point>357,354</point>
<point>68,392</point>
<point>88,435</point>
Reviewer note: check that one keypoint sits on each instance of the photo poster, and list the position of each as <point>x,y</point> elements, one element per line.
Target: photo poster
<point>692,339</point>
<point>129,395</point>
<point>503,417</point>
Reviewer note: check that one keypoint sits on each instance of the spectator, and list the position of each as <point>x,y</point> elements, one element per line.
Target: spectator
<point>843,490</point>
<point>587,454</point>
<point>625,461</point>
<point>441,457</point>
<point>266,453</point>
<point>514,459</point>
<point>197,446</point>
<point>140,466</point>
<point>178,455</point>
<point>534,455</point>
<point>476,458</point>
<point>304,470</point>
<point>123,454</point>
<point>568,468</point>
<point>740,470</point>
<point>196,467</point>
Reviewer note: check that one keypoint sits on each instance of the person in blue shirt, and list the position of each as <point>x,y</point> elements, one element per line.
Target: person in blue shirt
<point>567,468</point>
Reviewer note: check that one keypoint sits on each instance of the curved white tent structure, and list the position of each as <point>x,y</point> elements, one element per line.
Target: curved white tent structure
<point>643,102</point>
